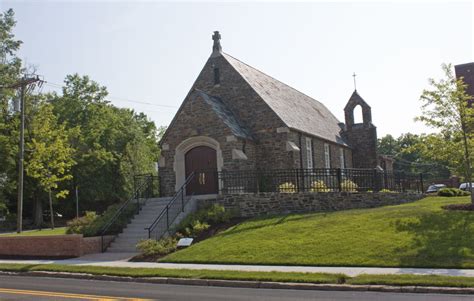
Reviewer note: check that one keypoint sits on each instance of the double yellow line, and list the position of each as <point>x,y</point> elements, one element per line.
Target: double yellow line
<point>66,295</point>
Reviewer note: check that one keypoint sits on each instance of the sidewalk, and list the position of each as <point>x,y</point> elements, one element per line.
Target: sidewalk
<point>120,260</point>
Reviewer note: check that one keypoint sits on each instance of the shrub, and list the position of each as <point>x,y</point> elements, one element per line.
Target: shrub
<point>385,190</point>
<point>287,187</point>
<point>349,186</point>
<point>449,192</point>
<point>319,186</point>
<point>199,227</point>
<point>95,226</point>
<point>216,214</point>
<point>77,225</point>
<point>151,247</point>
<point>199,221</point>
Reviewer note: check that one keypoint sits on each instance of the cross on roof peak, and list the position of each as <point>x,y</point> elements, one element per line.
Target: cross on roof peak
<point>216,47</point>
<point>354,76</point>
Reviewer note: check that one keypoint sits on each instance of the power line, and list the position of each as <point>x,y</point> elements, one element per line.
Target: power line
<point>114,98</point>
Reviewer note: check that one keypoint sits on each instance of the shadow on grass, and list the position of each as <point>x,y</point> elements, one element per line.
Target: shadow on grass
<point>278,220</point>
<point>440,239</point>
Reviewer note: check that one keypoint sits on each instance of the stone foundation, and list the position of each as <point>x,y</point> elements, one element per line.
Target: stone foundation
<point>250,205</point>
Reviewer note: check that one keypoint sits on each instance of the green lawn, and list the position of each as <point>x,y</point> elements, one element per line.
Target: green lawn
<point>401,280</point>
<point>180,273</point>
<point>56,231</point>
<point>418,234</point>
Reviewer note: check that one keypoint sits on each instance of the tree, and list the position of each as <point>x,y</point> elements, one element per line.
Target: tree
<point>114,144</point>
<point>409,152</point>
<point>50,154</point>
<point>446,108</point>
<point>10,68</point>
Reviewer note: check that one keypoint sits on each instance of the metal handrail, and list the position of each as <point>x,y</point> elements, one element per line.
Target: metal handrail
<point>135,195</point>
<point>165,210</point>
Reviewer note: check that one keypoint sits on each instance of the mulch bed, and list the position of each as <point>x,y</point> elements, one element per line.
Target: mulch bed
<point>461,207</point>
<point>211,231</point>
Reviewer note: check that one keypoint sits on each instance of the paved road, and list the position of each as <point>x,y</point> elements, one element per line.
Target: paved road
<point>35,288</point>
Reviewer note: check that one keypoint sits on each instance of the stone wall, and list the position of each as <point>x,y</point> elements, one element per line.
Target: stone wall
<point>250,205</point>
<point>53,246</point>
<point>267,149</point>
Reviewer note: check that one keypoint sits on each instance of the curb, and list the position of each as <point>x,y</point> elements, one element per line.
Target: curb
<point>251,284</point>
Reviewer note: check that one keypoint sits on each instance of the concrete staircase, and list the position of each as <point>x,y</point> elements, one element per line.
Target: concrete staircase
<point>126,241</point>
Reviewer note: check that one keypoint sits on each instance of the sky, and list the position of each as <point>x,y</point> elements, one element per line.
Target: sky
<point>148,53</point>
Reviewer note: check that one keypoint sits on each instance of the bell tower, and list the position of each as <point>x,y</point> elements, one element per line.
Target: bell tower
<point>362,137</point>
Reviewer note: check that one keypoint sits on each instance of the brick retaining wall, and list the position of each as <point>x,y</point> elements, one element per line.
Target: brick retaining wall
<point>54,246</point>
<point>249,205</point>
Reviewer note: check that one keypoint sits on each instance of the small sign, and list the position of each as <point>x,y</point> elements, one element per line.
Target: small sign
<point>184,242</point>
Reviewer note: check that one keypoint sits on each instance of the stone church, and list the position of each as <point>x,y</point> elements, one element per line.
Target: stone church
<point>236,118</point>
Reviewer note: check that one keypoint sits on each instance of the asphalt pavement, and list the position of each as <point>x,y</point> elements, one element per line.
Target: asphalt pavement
<point>36,288</point>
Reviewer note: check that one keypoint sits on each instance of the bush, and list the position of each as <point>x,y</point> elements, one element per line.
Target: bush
<point>385,190</point>
<point>319,186</point>
<point>94,227</point>
<point>151,247</point>
<point>349,186</point>
<point>449,192</point>
<point>287,187</point>
<point>199,221</point>
<point>77,225</point>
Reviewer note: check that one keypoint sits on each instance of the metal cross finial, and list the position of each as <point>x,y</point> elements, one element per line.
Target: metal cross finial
<point>355,86</point>
<point>216,37</point>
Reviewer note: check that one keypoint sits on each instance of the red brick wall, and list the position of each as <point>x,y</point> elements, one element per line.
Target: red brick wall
<point>55,246</point>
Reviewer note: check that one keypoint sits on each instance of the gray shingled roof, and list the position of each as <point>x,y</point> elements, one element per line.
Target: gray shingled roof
<point>297,110</point>
<point>225,115</point>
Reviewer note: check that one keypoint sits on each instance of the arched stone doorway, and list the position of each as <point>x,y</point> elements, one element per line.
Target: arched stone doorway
<point>185,149</point>
<point>201,160</point>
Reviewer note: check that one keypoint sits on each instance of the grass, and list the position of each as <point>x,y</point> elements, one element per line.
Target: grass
<point>44,232</point>
<point>409,280</point>
<point>181,273</point>
<point>418,234</point>
<point>323,278</point>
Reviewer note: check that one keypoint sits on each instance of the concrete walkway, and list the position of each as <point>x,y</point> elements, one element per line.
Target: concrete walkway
<point>121,260</point>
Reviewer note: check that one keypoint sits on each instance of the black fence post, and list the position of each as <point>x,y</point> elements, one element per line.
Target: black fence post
<point>297,181</point>
<point>421,183</point>
<point>339,179</point>
<point>182,199</point>
<point>374,181</point>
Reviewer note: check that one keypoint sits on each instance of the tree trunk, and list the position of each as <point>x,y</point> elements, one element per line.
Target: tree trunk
<point>38,215</point>
<point>51,210</point>
<point>467,157</point>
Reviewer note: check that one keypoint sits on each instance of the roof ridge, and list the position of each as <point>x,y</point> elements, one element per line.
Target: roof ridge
<point>272,77</point>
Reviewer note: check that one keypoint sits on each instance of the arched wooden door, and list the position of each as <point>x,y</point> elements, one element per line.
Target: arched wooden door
<point>203,161</point>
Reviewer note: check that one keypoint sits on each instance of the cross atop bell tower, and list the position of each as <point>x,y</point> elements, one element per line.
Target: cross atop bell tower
<point>216,48</point>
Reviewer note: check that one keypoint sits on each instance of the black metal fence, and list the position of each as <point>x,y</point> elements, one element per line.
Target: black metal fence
<point>318,180</point>
<point>153,187</point>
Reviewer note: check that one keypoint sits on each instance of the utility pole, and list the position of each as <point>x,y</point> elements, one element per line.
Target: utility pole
<point>22,85</point>
<point>77,201</point>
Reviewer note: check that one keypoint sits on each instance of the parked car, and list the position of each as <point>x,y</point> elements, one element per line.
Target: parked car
<point>435,188</point>
<point>465,186</point>
<point>46,214</point>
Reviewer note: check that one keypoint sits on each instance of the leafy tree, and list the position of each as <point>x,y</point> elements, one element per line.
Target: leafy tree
<point>408,152</point>
<point>50,158</point>
<point>446,108</point>
<point>113,144</point>
<point>10,68</point>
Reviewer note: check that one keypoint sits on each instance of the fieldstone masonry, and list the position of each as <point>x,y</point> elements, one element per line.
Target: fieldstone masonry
<point>251,205</point>
<point>262,116</point>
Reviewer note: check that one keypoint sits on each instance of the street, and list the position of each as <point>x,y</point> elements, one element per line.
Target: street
<point>36,288</point>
